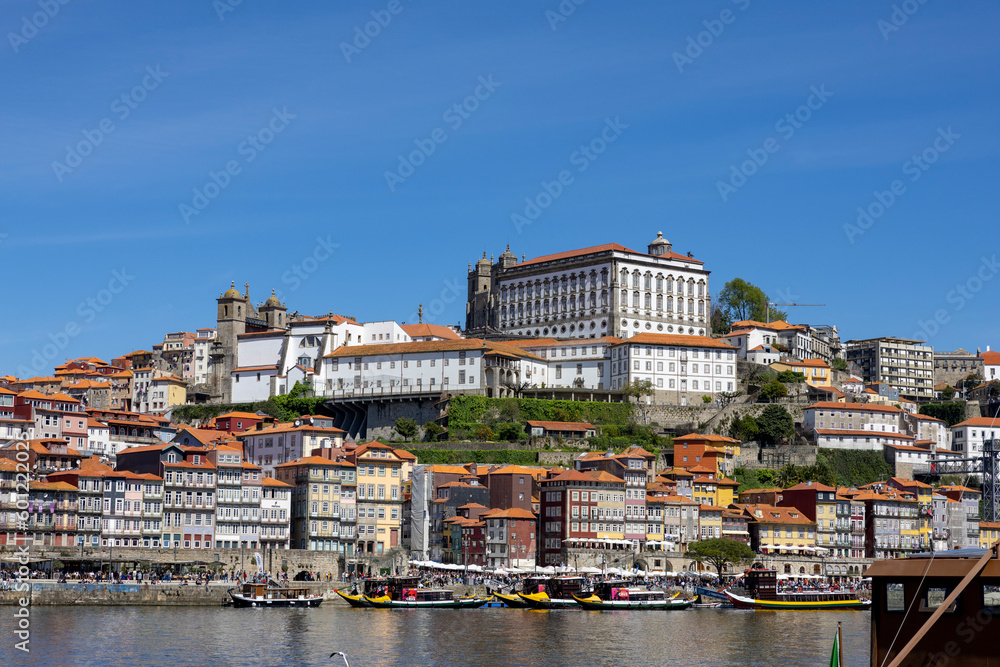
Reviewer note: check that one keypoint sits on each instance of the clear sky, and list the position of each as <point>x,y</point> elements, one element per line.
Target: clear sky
<point>152,152</point>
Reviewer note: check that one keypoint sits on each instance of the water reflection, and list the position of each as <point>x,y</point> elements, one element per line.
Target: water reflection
<point>197,636</point>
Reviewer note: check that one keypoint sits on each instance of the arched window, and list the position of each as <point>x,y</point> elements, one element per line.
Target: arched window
<point>659,302</point>
<point>648,301</point>
<point>635,280</point>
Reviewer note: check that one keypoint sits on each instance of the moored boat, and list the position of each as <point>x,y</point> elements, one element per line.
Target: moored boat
<point>271,595</point>
<point>355,600</point>
<point>615,595</point>
<point>558,594</point>
<point>528,586</point>
<point>762,593</point>
<point>404,593</point>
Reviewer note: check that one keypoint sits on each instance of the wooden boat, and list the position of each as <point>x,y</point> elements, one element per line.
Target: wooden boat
<point>357,600</point>
<point>272,595</point>
<point>558,594</point>
<point>528,586</point>
<point>936,608</point>
<point>762,593</point>
<point>614,595</point>
<point>372,587</point>
<point>404,593</point>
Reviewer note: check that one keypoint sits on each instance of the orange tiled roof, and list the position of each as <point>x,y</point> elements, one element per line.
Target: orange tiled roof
<point>676,339</point>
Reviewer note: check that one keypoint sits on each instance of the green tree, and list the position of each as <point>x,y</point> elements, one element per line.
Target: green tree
<point>791,377</point>
<point>788,476</point>
<point>510,431</point>
<point>405,427</point>
<point>775,425</point>
<point>971,381</point>
<point>720,552</point>
<point>744,429</point>
<point>639,389</point>
<point>838,364</point>
<point>433,431</point>
<point>484,433</point>
<point>948,393</point>
<point>720,323</point>
<point>949,413</point>
<point>773,389</point>
<point>740,300</point>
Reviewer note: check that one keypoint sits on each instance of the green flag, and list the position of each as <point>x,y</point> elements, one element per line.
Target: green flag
<point>835,654</point>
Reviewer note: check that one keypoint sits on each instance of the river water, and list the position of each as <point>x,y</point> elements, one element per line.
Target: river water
<point>217,637</point>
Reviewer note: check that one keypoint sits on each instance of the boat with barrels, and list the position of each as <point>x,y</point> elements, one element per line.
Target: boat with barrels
<point>405,593</point>
<point>558,594</point>
<point>616,595</point>
<point>529,586</point>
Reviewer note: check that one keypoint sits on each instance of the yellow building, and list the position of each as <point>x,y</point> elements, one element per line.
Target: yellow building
<point>710,521</point>
<point>708,489</point>
<point>323,503</point>
<point>380,497</point>
<point>780,530</point>
<point>816,371</point>
<point>989,533</point>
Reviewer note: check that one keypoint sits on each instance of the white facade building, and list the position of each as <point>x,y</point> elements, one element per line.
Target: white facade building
<point>681,368</point>
<point>968,436</point>
<point>584,364</point>
<point>202,346</point>
<point>467,365</point>
<point>605,290</point>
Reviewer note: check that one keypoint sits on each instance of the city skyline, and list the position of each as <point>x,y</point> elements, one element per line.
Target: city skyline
<point>360,173</point>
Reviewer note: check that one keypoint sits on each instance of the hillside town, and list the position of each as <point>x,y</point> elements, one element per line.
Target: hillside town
<point>178,447</point>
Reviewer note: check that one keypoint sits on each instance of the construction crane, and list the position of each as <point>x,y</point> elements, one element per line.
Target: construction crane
<point>772,303</point>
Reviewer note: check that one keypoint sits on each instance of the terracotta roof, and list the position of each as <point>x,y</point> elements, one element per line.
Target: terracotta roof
<point>573,342</point>
<point>315,460</point>
<point>852,407</point>
<point>814,486</point>
<point>422,330</point>
<point>676,339</point>
<point>516,470</point>
<point>458,345</point>
<point>979,421</point>
<point>772,514</point>
<point>251,369</point>
<point>607,247</point>
<point>710,437</point>
<point>285,427</point>
<point>270,481</point>
<point>512,513</point>
<point>51,486</point>
<point>990,358</point>
<point>837,431</point>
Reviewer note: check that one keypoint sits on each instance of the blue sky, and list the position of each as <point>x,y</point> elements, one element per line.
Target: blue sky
<point>309,128</point>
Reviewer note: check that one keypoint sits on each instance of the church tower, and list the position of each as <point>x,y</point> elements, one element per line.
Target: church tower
<point>231,317</point>
<point>480,291</point>
<point>274,313</point>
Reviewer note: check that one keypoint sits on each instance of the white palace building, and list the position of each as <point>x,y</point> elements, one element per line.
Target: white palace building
<point>605,290</point>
